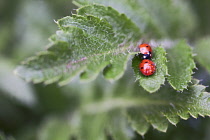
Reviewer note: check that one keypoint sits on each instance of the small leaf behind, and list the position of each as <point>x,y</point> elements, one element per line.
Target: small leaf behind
<point>202,49</point>
<point>180,65</point>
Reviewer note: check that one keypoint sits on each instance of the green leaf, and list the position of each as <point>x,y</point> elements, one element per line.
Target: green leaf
<point>84,46</point>
<point>170,105</point>
<point>180,65</point>
<point>173,119</point>
<point>55,129</point>
<point>152,116</point>
<point>146,15</point>
<point>152,83</point>
<point>120,23</point>
<point>139,124</point>
<point>118,127</point>
<point>111,123</point>
<point>117,66</point>
<point>92,127</point>
<point>159,110</point>
<point>202,50</point>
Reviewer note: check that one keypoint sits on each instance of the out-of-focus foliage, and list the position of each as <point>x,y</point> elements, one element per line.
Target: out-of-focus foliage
<point>35,111</point>
<point>160,18</point>
<point>13,86</point>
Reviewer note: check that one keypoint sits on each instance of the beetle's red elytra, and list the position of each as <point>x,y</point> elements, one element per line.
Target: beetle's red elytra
<point>147,67</point>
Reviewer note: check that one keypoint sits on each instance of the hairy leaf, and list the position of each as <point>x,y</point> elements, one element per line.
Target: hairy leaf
<point>152,83</point>
<point>146,15</point>
<point>202,50</point>
<point>120,23</point>
<point>169,104</point>
<point>180,65</point>
<point>84,46</point>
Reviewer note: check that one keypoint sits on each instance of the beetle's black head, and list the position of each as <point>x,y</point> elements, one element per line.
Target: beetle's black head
<point>146,56</point>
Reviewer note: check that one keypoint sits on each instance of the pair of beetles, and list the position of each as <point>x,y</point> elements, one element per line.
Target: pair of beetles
<point>146,67</point>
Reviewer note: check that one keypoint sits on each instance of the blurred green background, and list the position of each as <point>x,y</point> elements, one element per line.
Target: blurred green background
<point>25,108</point>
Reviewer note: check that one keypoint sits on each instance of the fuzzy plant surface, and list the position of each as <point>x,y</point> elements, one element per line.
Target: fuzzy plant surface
<point>96,39</point>
<point>103,40</point>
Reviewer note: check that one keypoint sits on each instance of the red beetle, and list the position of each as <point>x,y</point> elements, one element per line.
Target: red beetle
<point>146,51</point>
<point>147,67</point>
